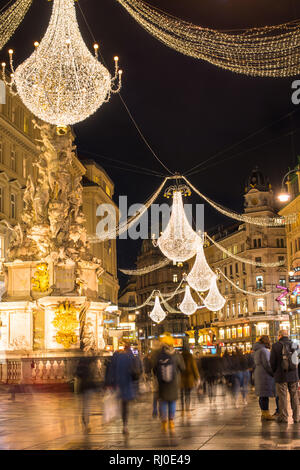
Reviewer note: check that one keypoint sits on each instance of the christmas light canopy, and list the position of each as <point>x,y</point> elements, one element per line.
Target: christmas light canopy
<point>178,242</point>
<point>201,275</point>
<point>62,83</point>
<point>188,306</point>
<point>157,314</point>
<point>214,301</point>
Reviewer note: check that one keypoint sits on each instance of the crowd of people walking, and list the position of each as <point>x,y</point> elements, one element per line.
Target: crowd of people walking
<point>271,371</point>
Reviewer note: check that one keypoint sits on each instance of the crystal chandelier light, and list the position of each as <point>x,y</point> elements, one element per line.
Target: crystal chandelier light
<point>178,242</point>
<point>200,276</point>
<point>188,306</point>
<point>214,301</point>
<point>62,83</point>
<point>157,314</point>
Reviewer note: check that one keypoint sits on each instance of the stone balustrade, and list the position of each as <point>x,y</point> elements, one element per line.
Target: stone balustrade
<point>43,370</point>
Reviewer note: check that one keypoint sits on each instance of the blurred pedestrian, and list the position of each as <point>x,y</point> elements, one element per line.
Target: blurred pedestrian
<point>189,378</point>
<point>156,348</point>
<point>167,367</point>
<point>85,374</point>
<point>243,375</point>
<point>126,371</point>
<point>263,376</point>
<point>284,364</point>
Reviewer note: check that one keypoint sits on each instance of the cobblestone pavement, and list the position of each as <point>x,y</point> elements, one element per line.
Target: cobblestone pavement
<point>45,421</point>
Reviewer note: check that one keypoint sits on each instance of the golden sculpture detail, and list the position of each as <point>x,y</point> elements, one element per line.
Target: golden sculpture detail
<point>40,281</point>
<point>66,322</point>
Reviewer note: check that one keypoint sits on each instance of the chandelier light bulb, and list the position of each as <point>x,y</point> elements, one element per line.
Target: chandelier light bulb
<point>62,83</point>
<point>201,275</point>
<point>178,242</point>
<point>214,301</point>
<point>157,314</point>
<point>188,306</point>
<point>36,44</point>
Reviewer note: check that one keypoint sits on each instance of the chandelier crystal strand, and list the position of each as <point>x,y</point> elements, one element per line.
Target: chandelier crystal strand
<point>214,301</point>
<point>270,51</point>
<point>11,19</point>
<point>178,242</point>
<point>260,294</point>
<point>124,226</point>
<point>261,221</point>
<point>62,83</point>
<point>245,260</point>
<point>146,269</point>
<point>157,314</point>
<point>188,306</point>
<point>201,275</point>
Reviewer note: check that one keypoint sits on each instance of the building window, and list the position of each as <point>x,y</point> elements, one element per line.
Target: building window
<point>24,167</point>
<point>283,307</point>
<point>233,310</point>
<point>233,332</point>
<point>245,307</point>
<point>235,249</point>
<point>2,251</point>
<point>13,159</point>
<point>259,282</point>
<point>225,270</point>
<point>230,270</point>
<point>240,332</point>
<point>244,268</point>
<point>239,308</point>
<point>228,333</point>
<point>107,190</point>
<point>13,206</point>
<point>257,243</point>
<point>224,255</point>
<point>282,282</point>
<point>175,278</point>
<point>247,330</point>
<point>260,305</point>
<point>228,310</point>
<point>221,333</point>
<point>244,284</point>
<point>226,288</point>
<point>258,260</point>
<point>26,125</point>
<point>236,268</point>
<point>1,199</point>
<point>262,329</point>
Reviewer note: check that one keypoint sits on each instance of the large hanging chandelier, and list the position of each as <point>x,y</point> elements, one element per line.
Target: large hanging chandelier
<point>157,314</point>
<point>178,242</point>
<point>214,301</point>
<point>201,275</point>
<point>62,83</point>
<point>188,306</point>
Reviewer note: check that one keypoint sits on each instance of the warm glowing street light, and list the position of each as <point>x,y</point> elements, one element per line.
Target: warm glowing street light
<point>284,196</point>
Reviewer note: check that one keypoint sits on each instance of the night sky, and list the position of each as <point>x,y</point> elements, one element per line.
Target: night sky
<point>187,109</point>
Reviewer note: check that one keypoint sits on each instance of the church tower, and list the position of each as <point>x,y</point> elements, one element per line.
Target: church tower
<point>259,197</point>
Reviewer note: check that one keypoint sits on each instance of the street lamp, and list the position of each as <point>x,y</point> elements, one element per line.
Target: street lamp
<point>284,196</point>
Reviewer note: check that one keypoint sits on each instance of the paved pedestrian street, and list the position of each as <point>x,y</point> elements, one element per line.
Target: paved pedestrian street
<point>52,421</point>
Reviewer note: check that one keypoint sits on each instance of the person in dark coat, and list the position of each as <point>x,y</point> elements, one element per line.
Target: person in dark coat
<point>85,372</point>
<point>168,388</point>
<point>285,380</point>
<point>263,376</point>
<point>189,377</point>
<point>125,374</point>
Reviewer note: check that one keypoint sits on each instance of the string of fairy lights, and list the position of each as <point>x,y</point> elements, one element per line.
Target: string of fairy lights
<point>270,51</point>
<point>11,18</point>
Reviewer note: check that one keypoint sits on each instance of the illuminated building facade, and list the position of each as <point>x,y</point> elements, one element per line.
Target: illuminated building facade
<point>293,250</point>
<point>246,317</point>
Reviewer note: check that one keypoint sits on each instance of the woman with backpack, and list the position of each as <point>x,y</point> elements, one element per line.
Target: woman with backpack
<point>189,378</point>
<point>263,376</point>
<point>167,367</point>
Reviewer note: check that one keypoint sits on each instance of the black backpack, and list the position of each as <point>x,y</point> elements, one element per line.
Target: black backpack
<point>166,368</point>
<point>289,358</point>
